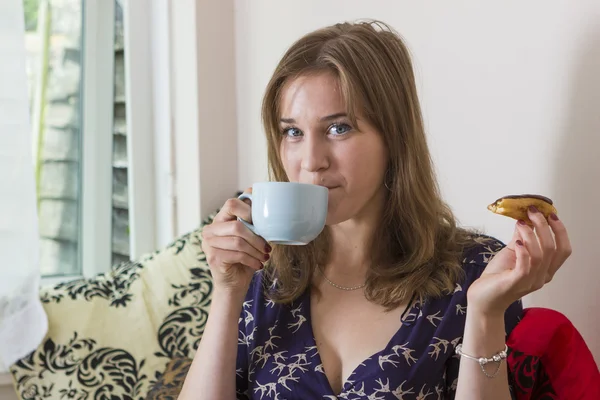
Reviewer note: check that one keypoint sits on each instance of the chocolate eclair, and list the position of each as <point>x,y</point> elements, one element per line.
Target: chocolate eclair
<point>516,206</point>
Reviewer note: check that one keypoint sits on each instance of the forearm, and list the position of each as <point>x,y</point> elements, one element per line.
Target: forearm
<point>484,336</point>
<point>212,374</point>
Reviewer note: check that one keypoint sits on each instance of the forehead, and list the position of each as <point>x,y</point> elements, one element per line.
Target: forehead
<point>311,95</point>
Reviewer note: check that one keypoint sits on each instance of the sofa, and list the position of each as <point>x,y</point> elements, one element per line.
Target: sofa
<point>112,336</point>
<point>131,333</point>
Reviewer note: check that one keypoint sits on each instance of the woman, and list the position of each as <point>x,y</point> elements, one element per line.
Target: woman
<point>375,307</point>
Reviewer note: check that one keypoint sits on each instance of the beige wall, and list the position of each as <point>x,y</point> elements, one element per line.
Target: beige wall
<point>7,393</point>
<point>217,100</point>
<point>203,102</point>
<point>511,96</point>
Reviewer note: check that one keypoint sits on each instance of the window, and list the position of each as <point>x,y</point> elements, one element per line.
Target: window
<point>54,70</point>
<point>120,198</point>
<point>76,77</point>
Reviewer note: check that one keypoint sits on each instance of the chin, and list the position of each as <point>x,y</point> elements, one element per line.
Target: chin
<point>341,207</point>
<point>336,216</point>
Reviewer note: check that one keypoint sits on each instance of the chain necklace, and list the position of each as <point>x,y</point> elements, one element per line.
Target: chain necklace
<point>335,285</point>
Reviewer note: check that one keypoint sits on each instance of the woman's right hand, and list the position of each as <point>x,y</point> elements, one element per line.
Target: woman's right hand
<point>233,251</point>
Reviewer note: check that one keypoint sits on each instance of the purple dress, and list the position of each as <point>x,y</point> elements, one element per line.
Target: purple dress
<point>278,357</point>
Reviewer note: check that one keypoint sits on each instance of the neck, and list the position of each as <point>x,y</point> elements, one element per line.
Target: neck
<point>350,253</point>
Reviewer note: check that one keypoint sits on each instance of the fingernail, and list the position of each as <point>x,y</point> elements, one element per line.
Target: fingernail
<point>267,257</point>
<point>268,249</point>
<point>521,222</point>
<point>519,242</point>
<point>554,216</point>
<point>533,209</point>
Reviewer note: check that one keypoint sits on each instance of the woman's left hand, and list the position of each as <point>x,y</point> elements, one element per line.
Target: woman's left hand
<point>525,265</point>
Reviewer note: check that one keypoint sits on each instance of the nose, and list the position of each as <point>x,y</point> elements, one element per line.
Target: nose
<point>315,154</point>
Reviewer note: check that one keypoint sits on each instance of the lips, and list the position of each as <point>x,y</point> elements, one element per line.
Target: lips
<point>327,186</point>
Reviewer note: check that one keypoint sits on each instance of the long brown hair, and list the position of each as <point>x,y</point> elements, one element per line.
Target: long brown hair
<point>418,247</point>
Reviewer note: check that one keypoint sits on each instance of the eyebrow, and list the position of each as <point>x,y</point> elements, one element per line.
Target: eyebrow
<point>323,119</point>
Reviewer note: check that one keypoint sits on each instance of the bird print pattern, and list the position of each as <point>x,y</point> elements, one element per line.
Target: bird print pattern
<point>278,358</point>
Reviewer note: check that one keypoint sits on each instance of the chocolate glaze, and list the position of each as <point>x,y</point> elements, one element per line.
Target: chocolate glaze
<point>522,196</point>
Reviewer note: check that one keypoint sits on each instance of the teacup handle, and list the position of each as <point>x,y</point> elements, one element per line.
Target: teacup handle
<point>248,196</point>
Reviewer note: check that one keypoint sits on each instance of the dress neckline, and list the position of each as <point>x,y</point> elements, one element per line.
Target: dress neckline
<point>348,384</point>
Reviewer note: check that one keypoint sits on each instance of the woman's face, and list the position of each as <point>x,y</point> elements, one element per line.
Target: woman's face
<point>320,146</point>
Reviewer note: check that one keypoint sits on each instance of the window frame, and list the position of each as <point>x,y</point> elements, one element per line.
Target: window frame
<point>140,126</point>
<point>97,110</point>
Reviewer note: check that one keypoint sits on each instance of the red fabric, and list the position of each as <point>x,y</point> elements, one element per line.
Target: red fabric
<point>550,360</point>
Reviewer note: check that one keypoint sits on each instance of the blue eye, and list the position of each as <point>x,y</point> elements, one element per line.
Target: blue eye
<point>292,132</point>
<point>339,129</point>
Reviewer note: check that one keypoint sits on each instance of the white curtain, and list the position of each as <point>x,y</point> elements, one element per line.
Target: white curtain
<point>23,323</point>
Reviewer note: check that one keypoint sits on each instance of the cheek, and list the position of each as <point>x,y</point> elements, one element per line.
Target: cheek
<point>366,176</point>
<point>290,163</point>
<point>365,166</point>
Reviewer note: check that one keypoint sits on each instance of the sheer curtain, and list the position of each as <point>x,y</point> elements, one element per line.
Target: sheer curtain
<point>23,323</point>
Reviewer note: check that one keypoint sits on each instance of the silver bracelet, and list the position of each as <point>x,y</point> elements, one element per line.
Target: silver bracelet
<point>496,358</point>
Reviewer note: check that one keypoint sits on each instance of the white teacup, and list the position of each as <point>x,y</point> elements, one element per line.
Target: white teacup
<point>287,212</point>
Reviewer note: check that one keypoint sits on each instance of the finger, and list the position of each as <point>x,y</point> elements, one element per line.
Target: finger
<point>531,243</point>
<point>236,243</point>
<point>231,257</point>
<point>237,228</point>
<point>516,236</point>
<point>232,209</point>
<point>247,201</point>
<point>523,265</point>
<point>563,245</point>
<point>545,236</point>
<point>516,239</point>
<point>538,266</point>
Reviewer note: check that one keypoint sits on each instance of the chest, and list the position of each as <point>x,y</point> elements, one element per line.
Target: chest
<point>347,331</point>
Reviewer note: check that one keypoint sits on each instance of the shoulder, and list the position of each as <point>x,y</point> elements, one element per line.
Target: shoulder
<point>481,249</point>
<point>478,253</point>
<point>255,296</point>
<point>257,304</point>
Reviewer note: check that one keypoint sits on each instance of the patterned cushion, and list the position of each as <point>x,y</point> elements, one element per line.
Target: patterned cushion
<point>111,337</point>
<point>170,382</point>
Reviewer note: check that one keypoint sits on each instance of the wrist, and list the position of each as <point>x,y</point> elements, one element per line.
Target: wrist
<point>486,309</point>
<point>485,314</point>
<point>484,321</point>
<point>224,297</point>
<point>485,333</point>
